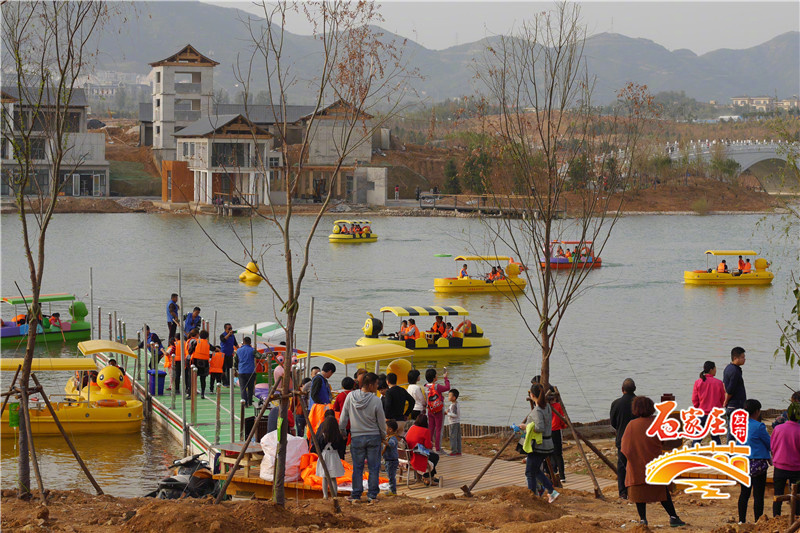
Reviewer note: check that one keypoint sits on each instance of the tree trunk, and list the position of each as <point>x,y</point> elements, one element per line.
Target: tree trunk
<point>279,492</point>
<point>23,465</point>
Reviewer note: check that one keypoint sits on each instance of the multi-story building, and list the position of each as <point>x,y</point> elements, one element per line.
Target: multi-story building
<point>183,87</point>
<point>759,103</point>
<point>84,169</point>
<point>190,162</point>
<point>789,103</point>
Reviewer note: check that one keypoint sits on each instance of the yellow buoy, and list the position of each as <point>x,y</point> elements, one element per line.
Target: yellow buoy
<point>251,274</point>
<point>401,368</point>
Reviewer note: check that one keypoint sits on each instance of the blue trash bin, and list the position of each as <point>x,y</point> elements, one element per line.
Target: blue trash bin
<point>161,377</point>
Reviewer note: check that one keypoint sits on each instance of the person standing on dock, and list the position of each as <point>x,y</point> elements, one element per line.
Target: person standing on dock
<point>363,411</point>
<point>621,415</point>
<point>735,393</point>
<point>435,404</point>
<point>399,403</point>
<point>178,352</point>
<point>246,368</point>
<point>228,345</point>
<point>172,317</point>
<point>193,321</point>
<point>201,354</point>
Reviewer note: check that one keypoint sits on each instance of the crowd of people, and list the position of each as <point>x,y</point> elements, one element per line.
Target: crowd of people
<point>497,273</point>
<point>410,331</point>
<point>743,267</point>
<point>632,415</point>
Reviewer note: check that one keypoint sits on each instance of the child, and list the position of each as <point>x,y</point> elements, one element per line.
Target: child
<point>390,455</point>
<point>435,405</point>
<point>454,421</point>
<point>557,426</point>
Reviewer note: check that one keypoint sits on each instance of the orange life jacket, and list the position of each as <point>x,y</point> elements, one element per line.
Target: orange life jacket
<point>202,350</point>
<point>721,267</point>
<point>403,331</point>
<point>412,332</point>
<point>438,327</point>
<point>746,268</point>
<point>741,264</point>
<point>167,361</point>
<point>217,360</point>
<point>179,350</point>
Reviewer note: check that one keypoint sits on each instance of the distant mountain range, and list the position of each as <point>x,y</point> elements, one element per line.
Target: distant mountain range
<point>158,29</point>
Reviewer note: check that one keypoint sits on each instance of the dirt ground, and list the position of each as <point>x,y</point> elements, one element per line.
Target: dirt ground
<point>509,509</point>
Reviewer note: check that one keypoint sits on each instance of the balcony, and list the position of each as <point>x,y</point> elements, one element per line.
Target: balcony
<point>186,115</point>
<point>187,88</point>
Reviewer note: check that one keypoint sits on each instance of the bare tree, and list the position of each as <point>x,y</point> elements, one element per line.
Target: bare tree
<point>48,46</point>
<point>558,157</point>
<point>357,71</point>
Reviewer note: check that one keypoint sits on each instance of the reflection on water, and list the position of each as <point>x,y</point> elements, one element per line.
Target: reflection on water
<point>636,319</point>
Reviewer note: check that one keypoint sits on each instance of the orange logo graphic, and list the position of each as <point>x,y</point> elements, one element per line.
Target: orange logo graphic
<point>727,464</point>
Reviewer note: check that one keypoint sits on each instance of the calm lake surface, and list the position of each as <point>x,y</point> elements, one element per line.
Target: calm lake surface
<point>636,319</point>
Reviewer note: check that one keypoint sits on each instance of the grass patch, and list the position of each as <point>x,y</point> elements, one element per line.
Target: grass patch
<point>700,206</point>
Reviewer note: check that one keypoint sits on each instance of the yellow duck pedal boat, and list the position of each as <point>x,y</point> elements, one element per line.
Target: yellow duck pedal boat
<point>723,275</point>
<point>466,340</point>
<point>510,281</point>
<point>352,232</point>
<point>88,408</point>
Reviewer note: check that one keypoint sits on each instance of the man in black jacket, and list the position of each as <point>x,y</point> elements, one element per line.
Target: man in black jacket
<point>397,403</point>
<point>620,416</point>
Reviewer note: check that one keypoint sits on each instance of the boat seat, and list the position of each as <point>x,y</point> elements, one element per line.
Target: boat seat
<point>443,342</point>
<point>475,332</point>
<point>457,342</point>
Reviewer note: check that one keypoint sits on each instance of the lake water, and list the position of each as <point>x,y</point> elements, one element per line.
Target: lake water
<point>637,319</point>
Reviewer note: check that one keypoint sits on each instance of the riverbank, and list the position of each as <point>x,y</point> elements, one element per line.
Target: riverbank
<point>697,197</point>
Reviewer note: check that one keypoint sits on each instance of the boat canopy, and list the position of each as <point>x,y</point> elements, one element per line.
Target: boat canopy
<point>267,331</point>
<point>43,298</point>
<point>433,310</point>
<point>571,242</point>
<point>363,354</point>
<point>731,252</point>
<point>488,258</point>
<point>102,346</point>
<point>362,222</point>
<point>43,364</point>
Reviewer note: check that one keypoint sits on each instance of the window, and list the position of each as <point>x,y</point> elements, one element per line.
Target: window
<point>274,162</point>
<point>191,149</point>
<point>158,102</point>
<point>185,149</point>
<point>169,184</point>
<point>229,155</point>
<point>158,77</point>
<point>158,130</point>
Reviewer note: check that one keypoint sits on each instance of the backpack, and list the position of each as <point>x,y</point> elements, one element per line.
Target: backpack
<point>435,401</point>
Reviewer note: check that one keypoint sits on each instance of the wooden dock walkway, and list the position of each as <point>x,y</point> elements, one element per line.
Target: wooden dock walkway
<point>458,471</point>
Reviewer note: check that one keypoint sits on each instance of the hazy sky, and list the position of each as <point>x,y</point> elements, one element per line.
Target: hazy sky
<point>698,26</point>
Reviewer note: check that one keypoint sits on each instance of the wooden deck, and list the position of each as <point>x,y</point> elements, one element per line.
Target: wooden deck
<point>458,471</point>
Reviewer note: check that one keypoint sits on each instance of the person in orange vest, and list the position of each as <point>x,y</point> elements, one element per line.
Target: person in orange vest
<point>201,354</point>
<point>747,268</point>
<point>413,331</point>
<point>465,327</point>
<point>568,254</point>
<point>438,328</point>
<point>178,351</point>
<point>741,264</point>
<point>55,320</point>
<point>448,331</point>
<point>215,365</point>
<point>168,363</point>
<point>500,273</point>
<point>722,268</point>
<point>188,347</point>
<point>403,330</point>
<point>463,273</point>
<point>490,277</point>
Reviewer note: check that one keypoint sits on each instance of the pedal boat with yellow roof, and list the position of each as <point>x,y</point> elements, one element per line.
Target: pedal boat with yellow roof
<point>511,283</point>
<point>343,232</point>
<point>107,406</point>
<point>471,343</point>
<point>710,276</point>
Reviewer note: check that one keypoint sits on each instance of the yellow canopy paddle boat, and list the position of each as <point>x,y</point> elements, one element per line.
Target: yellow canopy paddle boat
<point>97,409</point>
<point>724,274</point>
<point>352,232</point>
<point>372,357</point>
<point>465,340</point>
<point>503,282</point>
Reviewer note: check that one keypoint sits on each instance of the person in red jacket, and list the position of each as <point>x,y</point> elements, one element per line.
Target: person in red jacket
<point>558,425</point>
<point>708,393</point>
<point>420,434</point>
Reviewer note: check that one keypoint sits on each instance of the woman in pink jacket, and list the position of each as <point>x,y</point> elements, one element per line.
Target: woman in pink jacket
<point>708,392</point>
